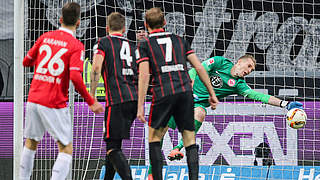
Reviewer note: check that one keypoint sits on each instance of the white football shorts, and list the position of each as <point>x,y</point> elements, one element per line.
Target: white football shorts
<point>39,119</point>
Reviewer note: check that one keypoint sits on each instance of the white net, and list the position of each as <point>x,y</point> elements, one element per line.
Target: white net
<point>283,36</point>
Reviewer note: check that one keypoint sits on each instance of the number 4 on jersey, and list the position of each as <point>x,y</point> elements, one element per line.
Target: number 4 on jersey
<point>125,53</point>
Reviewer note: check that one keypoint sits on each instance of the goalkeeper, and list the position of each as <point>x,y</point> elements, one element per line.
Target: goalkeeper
<point>226,79</point>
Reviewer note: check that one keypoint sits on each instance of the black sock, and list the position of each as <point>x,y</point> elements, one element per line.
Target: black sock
<point>193,161</point>
<point>156,160</point>
<point>120,164</point>
<point>110,171</point>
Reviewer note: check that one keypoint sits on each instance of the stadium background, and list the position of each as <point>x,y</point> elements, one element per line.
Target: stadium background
<point>284,37</point>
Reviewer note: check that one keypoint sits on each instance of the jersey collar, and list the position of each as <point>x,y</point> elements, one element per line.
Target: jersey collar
<point>117,34</point>
<point>66,30</point>
<point>157,30</point>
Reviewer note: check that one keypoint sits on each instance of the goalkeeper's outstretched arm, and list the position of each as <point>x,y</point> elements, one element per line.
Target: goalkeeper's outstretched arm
<point>268,99</point>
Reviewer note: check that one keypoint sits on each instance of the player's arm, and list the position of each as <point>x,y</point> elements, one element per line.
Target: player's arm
<point>268,99</point>
<point>203,75</point>
<point>76,78</point>
<point>143,82</point>
<point>76,67</point>
<point>143,77</point>
<point>98,58</point>
<point>207,64</point>
<point>284,104</point>
<point>193,59</point>
<point>30,59</point>
<point>95,73</point>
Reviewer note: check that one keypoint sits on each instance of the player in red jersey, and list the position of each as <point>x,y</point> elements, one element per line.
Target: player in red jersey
<point>58,58</point>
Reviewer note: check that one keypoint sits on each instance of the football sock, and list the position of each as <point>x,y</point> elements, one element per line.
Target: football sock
<point>150,166</point>
<point>26,164</point>
<point>197,125</point>
<point>155,156</point>
<point>193,161</point>
<point>61,167</point>
<point>120,164</point>
<point>110,171</point>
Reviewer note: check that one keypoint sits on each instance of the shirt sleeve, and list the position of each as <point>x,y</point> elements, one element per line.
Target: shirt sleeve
<point>30,58</point>
<point>81,87</point>
<point>76,60</point>
<point>188,48</point>
<point>98,48</point>
<point>208,66</point>
<point>142,52</point>
<point>213,63</point>
<point>246,91</point>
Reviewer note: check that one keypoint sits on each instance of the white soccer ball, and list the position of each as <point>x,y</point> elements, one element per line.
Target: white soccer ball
<point>296,118</point>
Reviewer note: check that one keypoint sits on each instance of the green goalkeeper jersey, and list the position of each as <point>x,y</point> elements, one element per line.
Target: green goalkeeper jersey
<point>224,84</point>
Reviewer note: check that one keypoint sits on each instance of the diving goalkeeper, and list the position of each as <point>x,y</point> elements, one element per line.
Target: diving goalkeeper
<point>227,79</point>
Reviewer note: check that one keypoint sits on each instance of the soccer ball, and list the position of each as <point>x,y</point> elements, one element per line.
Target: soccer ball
<point>296,118</point>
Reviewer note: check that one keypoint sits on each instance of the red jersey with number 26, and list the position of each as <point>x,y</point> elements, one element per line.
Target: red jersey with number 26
<point>54,55</point>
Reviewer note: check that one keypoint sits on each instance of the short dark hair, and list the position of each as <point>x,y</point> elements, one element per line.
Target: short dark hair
<point>116,21</point>
<point>70,13</point>
<point>248,56</point>
<point>155,18</point>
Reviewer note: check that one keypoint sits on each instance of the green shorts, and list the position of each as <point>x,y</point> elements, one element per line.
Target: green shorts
<point>202,104</point>
<point>172,123</point>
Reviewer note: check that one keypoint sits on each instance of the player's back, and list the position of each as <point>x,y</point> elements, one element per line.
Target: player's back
<point>167,54</point>
<point>55,53</point>
<point>119,69</point>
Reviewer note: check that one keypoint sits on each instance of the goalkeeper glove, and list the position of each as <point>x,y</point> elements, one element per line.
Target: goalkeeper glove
<point>290,105</point>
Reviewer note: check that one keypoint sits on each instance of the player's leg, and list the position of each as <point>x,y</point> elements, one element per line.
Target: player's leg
<point>184,116</point>
<point>58,123</point>
<point>160,113</point>
<point>192,153</point>
<point>199,116</point>
<point>109,170</point>
<point>174,155</point>
<point>33,133</point>
<point>155,155</point>
<point>118,128</point>
<point>117,159</point>
<point>197,125</point>
<point>27,158</point>
<point>61,166</point>
<point>150,177</point>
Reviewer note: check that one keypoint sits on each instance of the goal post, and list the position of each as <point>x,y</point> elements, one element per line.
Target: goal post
<point>18,84</point>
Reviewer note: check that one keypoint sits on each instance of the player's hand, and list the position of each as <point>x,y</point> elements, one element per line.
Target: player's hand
<point>213,100</point>
<point>294,104</point>
<point>140,114</point>
<point>96,107</point>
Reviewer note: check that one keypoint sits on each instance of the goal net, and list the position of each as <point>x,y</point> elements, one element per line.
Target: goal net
<point>283,36</point>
